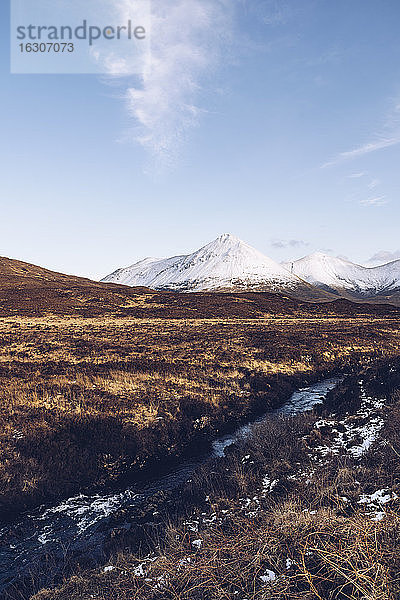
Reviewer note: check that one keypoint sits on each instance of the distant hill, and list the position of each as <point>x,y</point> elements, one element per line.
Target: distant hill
<point>30,289</point>
<point>15,273</point>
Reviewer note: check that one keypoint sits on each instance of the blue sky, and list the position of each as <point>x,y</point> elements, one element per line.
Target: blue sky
<point>275,120</point>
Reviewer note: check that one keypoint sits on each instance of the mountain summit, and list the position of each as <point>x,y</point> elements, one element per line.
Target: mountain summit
<point>226,263</point>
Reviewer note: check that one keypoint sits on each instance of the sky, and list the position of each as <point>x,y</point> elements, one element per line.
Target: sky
<point>275,120</point>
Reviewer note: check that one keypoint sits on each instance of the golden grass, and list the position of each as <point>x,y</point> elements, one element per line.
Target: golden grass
<point>139,389</point>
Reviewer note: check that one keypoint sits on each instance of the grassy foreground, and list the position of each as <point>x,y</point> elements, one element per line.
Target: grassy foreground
<point>306,509</point>
<point>86,400</point>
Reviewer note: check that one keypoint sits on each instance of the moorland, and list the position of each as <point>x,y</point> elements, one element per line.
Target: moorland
<point>100,382</point>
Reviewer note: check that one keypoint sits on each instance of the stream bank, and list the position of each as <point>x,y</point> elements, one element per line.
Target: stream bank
<point>84,529</point>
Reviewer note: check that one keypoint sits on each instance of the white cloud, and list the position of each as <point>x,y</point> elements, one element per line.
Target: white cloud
<point>289,243</point>
<point>373,184</point>
<point>363,187</point>
<point>275,12</point>
<point>370,147</point>
<point>189,40</point>
<point>389,136</point>
<point>363,150</point>
<point>356,175</point>
<point>270,12</point>
<point>378,201</point>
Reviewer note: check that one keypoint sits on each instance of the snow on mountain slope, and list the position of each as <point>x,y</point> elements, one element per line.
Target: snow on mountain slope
<point>142,272</point>
<point>332,273</point>
<point>225,263</point>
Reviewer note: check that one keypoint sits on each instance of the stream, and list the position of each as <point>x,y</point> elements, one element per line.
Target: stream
<point>78,526</point>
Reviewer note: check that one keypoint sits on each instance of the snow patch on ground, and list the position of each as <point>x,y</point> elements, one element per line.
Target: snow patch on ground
<point>269,577</point>
<point>354,434</point>
<point>376,501</point>
<point>268,485</point>
<point>108,569</point>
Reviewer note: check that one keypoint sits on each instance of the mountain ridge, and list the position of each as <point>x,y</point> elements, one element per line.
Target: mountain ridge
<point>225,264</point>
<point>340,275</point>
<point>229,264</point>
<point>30,290</point>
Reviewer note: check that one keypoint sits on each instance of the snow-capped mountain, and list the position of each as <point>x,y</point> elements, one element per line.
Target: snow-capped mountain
<point>226,263</point>
<point>344,277</point>
<point>229,264</point>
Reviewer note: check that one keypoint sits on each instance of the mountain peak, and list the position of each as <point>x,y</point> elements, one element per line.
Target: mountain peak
<point>227,237</point>
<point>226,240</point>
<point>225,263</point>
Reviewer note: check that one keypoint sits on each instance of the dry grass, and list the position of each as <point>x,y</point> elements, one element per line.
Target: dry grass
<point>333,557</point>
<point>83,401</point>
<point>318,546</point>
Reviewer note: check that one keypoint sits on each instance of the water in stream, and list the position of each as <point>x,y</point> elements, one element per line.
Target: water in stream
<point>79,525</point>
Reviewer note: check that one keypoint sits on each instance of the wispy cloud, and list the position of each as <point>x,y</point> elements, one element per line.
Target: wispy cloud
<point>356,175</point>
<point>378,201</point>
<point>275,12</point>
<point>364,185</point>
<point>289,243</point>
<point>189,41</point>
<point>379,144</point>
<point>373,184</point>
<point>388,137</point>
<point>270,12</point>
